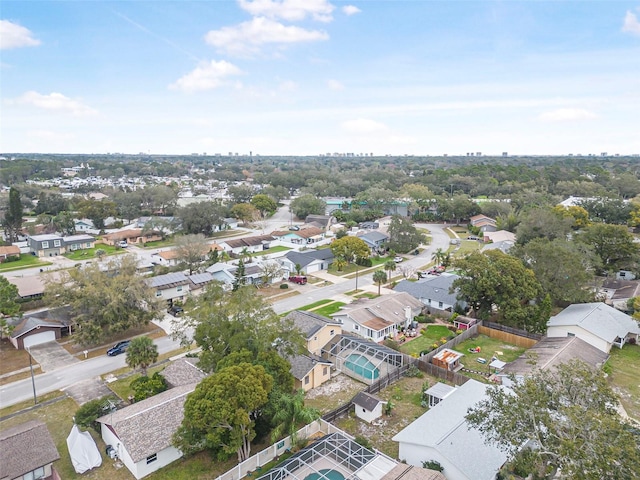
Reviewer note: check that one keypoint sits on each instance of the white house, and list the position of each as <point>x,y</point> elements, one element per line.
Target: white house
<point>442,434</point>
<point>141,433</point>
<point>380,317</point>
<point>368,407</point>
<point>596,323</point>
<point>433,292</point>
<point>310,260</point>
<point>170,287</point>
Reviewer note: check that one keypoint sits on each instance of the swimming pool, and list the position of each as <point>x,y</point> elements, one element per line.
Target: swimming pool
<point>360,365</point>
<point>325,474</point>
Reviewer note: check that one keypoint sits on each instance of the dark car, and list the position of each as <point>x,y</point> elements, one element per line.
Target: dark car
<point>175,310</point>
<point>118,348</point>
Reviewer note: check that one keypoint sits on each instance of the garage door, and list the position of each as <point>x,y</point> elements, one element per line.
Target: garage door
<point>38,338</point>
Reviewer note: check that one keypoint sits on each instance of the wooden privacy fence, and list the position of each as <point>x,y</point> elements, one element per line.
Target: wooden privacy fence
<point>441,373</point>
<point>468,333</point>
<point>518,337</point>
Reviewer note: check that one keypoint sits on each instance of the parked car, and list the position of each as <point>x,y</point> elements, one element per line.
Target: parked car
<point>123,244</point>
<point>175,310</point>
<point>118,348</point>
<point>398,259</point>
<point>294,228</point>
<point>299,279</point>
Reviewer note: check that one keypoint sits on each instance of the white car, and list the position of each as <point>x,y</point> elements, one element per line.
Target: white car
<point>123,244</point>
<point>398,259</point>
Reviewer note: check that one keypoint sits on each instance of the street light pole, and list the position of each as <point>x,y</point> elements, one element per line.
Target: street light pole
<point>33,380</point>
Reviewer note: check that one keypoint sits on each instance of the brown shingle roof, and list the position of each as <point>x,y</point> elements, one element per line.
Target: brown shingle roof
<point>146,427</point>
<point>10,250</point>
<point>183,371</point>
<point>24,448</point>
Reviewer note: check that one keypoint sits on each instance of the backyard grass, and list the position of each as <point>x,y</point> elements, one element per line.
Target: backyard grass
<point>329,309</point>
<point>339,390</point>
<point>624,364</point>
<point>468,246</point>
<point>26,261</point>
<point>428,336</point>
<point>488,348</point>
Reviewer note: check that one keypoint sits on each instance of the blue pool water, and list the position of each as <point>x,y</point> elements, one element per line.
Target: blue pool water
<point>325,474</point>
<point>362,366</point>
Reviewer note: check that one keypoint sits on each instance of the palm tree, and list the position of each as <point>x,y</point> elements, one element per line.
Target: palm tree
<point>245,254</point>
<point>340,263</point>
<point>141,352</point>
<point>290,413</point>
<point>379,277</point>
<point>390,266</point>
<point>439,256</point>
<point>298,269</point>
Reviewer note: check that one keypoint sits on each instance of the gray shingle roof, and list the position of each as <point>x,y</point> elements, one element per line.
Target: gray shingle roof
<point>301,365</point>
<point>308,322</point>
<point>367,401</point>
<point>169,280</point>
<point>434,288</point>
<point>444,429</point>
<point>183,371</point>
<point>199,279</point>
<point>383,311</point>
<point>24,448</point>
<point>374,236</point>
<point>146,427</point>
<point>308,256</point>
<point>598,318</point>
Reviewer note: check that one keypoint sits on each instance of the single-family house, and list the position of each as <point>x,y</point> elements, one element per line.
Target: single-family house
<point>28,287</point>
<point>549,353</point>
<point>596,323</point>
<point>309,371</point>
<point>434,292</point>
<point>83,225</point>
<point>231,223</point>
<point>9,251</point>
<point>322,221</point>
<point>617,292</point>
<point>141,434</point>
<point>221,272</point>
<point>503,245</point>
<point>183,371</point>
<point>368,407</point>
<point>255,243</point>
<point>304,236</point>
<point>27,452</point>
<point>379,318</point>
<point>483,223</point>
<point>442,434</point>
<point>499,236</point>
<point>375,240</point>
<point>78,242</point>
<point>170,287</point>
<point>46,245</point>
<point>309,260</point>
<point>131,235</point>
<point>448,359</point>
<point>199,281</point>
<point>318,331</point>
<point>40,327</point>
<point>167,258</point>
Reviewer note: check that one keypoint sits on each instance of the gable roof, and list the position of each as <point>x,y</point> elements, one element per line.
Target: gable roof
<point>200,279</point>
<point>323,220</point>
<point>52,318</point>
<point>306,232</point>
<point>183,371</point>
<point>597,318</point>
<point>24,448</point>
<point>374,237</point>
<point>168,281</point>
<point>9,250</point>
<point>500,236</point>
<point>444,428</point>
<point>367,401</point>
<point>309,256</point>
<point>309,323</point>
<point>434,287</point>
<point>301,365</point>
<point>146,427</point>
<point>550,352</point>
<point>382,311</point>
<point>248,241</point>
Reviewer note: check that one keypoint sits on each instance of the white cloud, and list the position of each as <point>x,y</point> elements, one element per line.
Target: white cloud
<point>363,126</point>
<point>350,10</point>
<point>631,23</point>
<point>290,10</point>
<point>288,86</point>
<point>13,35</point>
<point>51,136</point>
<point>206,76</point>
<point>335,85</point>
<point>57,102</point>
<point>567,115</point>
<point>247,37</point>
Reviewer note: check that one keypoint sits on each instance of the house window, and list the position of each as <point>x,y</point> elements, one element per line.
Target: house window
<point>439,304</point>
<point>569,334</point>
<point>179,289</point>
<point>158,293</point>
<point>56,243</point>
<point>332,333</point>
<point>45,244</point>
<point>356,327</point>
<point>325,370</point>
<point>152,458</point>
<point>87,245</point>
<point>39,472</point>
<point>315,338</point>
<point>306,380</point>
<point>73,247</point>
<point>429,301</point>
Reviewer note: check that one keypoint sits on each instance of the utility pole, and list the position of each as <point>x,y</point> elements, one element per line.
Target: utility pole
<point>33,380</point>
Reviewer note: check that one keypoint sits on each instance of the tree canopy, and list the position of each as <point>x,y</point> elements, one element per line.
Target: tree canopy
<point>568,414</point>
<point>350,249</point>
<point>105,299</point>
<point>13,217</point>
<point>307,205</point>
<point>403,236</point>
<point>141,353</point>
<point>614,245</point>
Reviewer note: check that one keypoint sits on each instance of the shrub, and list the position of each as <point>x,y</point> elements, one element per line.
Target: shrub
<point>391,343</point>
<point>284,286</point>
<point>360,440</point>
<point>87,414</point>
<point>145,387</point>
<point>364,262</point>
<point>432,465</point>
<point>413,371</point>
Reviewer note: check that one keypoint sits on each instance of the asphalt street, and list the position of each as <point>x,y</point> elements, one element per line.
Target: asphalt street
<point>64,377</point>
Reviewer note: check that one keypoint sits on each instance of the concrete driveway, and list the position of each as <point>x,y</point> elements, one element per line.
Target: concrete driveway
<point>51,356</point>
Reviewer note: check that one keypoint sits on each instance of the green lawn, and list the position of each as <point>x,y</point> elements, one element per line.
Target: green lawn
<point>329,309</point>
<point>167,242</point>
<point>91,252</point>
<point>276,249</point>
<point>313,305</point>
<point>488,348</point>
<point>428,337</point>
<point>624,365</point>
<point>26,261</point>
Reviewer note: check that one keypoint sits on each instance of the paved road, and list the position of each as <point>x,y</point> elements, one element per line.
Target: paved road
<point>59,379</point>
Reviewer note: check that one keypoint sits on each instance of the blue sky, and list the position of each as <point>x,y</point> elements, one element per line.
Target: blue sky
<point>305,77</point>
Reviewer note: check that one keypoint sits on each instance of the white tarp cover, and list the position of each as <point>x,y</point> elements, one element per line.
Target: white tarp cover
<point>83,450</point>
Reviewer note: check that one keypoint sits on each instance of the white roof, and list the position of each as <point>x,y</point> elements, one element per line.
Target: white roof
<point>444,428</point>
<point>598,318</point>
